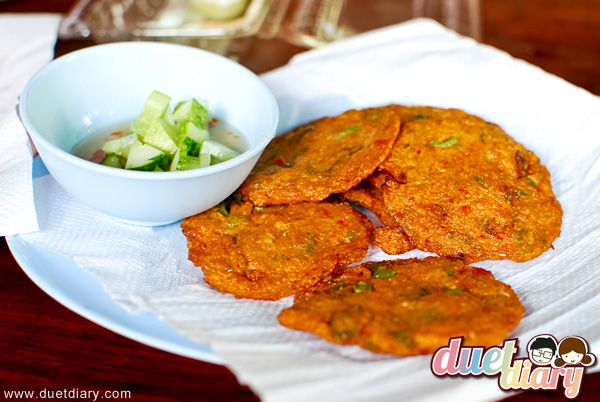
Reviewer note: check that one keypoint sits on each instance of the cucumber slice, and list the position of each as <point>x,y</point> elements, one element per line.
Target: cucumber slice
<point>144,157</point>
<point>169,118</point>
<point>121,146</point>
<point>196,162</point>
<point>205,160</point>
<point>191,147</point>
<point>214,160</point>
<point>193,162</point>
<point>179,160</point>
<point>183,161</point>
<point>160,134</point>
<point>192,136</point>
<point>112,160</point>
<point>221,152</point>
<point>193,111</point>
<point>155,107</point>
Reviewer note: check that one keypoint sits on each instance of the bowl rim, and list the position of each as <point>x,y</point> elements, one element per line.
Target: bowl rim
<point>135,174</point>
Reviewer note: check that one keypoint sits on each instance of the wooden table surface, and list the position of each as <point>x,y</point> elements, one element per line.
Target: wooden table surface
<point>46,346</point>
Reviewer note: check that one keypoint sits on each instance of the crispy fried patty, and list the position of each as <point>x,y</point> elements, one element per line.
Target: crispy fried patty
<point>461,187</point>
<point>317,159</point>
<point>366,195</point>
<point>408,307</point>
<point>271,252</point>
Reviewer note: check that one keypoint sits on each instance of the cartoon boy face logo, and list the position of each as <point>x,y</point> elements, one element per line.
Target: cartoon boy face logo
<point>542,349</point>
<point>573,350</point>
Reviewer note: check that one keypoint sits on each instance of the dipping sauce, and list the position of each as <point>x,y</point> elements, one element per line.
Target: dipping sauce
<point>164,140</point>
<point>220,131</point>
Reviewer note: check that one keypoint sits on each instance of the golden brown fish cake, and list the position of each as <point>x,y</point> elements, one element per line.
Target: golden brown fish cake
<point>390,237</point>
<point>461,187</point>
<point>392,240</point>
<point>272,252</point>
<point>330,155</point>
<point>368,196</point>
<point>377,179</point>
<point>408,114</point>
<point>411,113</point>
<point>408,307</point>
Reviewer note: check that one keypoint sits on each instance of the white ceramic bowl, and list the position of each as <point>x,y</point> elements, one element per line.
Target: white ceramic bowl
<point>96,88</point>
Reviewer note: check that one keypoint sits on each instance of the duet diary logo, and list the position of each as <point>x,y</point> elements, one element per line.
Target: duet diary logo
<point>549,363</point>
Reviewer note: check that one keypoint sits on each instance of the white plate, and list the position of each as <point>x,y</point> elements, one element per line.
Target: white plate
<point>63,280</point>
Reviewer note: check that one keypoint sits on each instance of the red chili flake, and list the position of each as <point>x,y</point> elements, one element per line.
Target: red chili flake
<point>381,142</point>
<point>325,212</point>
<point>552,246</point>
<point>451,201</point>
<point>279,162</point>
<point>463,191</point>
<point>98,156</point>
<point>419,152</point>
<point>466,208</point>
<point>341,222</point>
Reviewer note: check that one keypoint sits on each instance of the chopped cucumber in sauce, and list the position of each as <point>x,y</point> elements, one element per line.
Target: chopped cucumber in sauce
<point>144,157</point>
<point>162,139</point>
<point>112,160</point>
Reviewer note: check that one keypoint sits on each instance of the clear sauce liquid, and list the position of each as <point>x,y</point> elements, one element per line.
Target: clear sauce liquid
<point>219,131</point>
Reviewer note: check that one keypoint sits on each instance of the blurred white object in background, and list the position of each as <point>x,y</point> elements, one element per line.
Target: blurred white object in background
<point>219,9</point>
<point>227,26</point>
<point>220,26</point>
<point>315,23</point>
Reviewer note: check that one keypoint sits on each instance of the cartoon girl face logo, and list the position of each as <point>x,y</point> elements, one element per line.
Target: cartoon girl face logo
<point>542,349</point>
<point>573,350</point>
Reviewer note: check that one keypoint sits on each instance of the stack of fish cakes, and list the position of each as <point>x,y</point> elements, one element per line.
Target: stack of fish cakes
<point>439,180</point>
<point>460,187</point>
<point>284,236</point>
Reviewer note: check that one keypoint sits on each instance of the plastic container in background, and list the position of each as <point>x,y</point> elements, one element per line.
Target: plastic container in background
<point>307,23</point>
<point>186,22</point>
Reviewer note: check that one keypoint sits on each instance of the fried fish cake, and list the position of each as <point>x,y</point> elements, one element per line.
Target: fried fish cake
<point>330,155</point>
<point>272,252</point>
<point>461,187</point>
<point>392,240</point>
<point>408,307</point>
<point>390,237</point>
<point>406,115</point>
<point>368,196</point>
<point>411,113</point>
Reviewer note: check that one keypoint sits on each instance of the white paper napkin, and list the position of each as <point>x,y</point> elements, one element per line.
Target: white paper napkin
<point>26,44</point>
<point>146,269</point>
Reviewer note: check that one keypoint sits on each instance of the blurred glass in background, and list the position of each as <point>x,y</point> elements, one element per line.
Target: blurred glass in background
<point>226,26</point>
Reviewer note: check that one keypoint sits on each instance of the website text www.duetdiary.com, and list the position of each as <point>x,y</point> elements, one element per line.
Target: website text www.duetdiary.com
<point>73,393</point>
